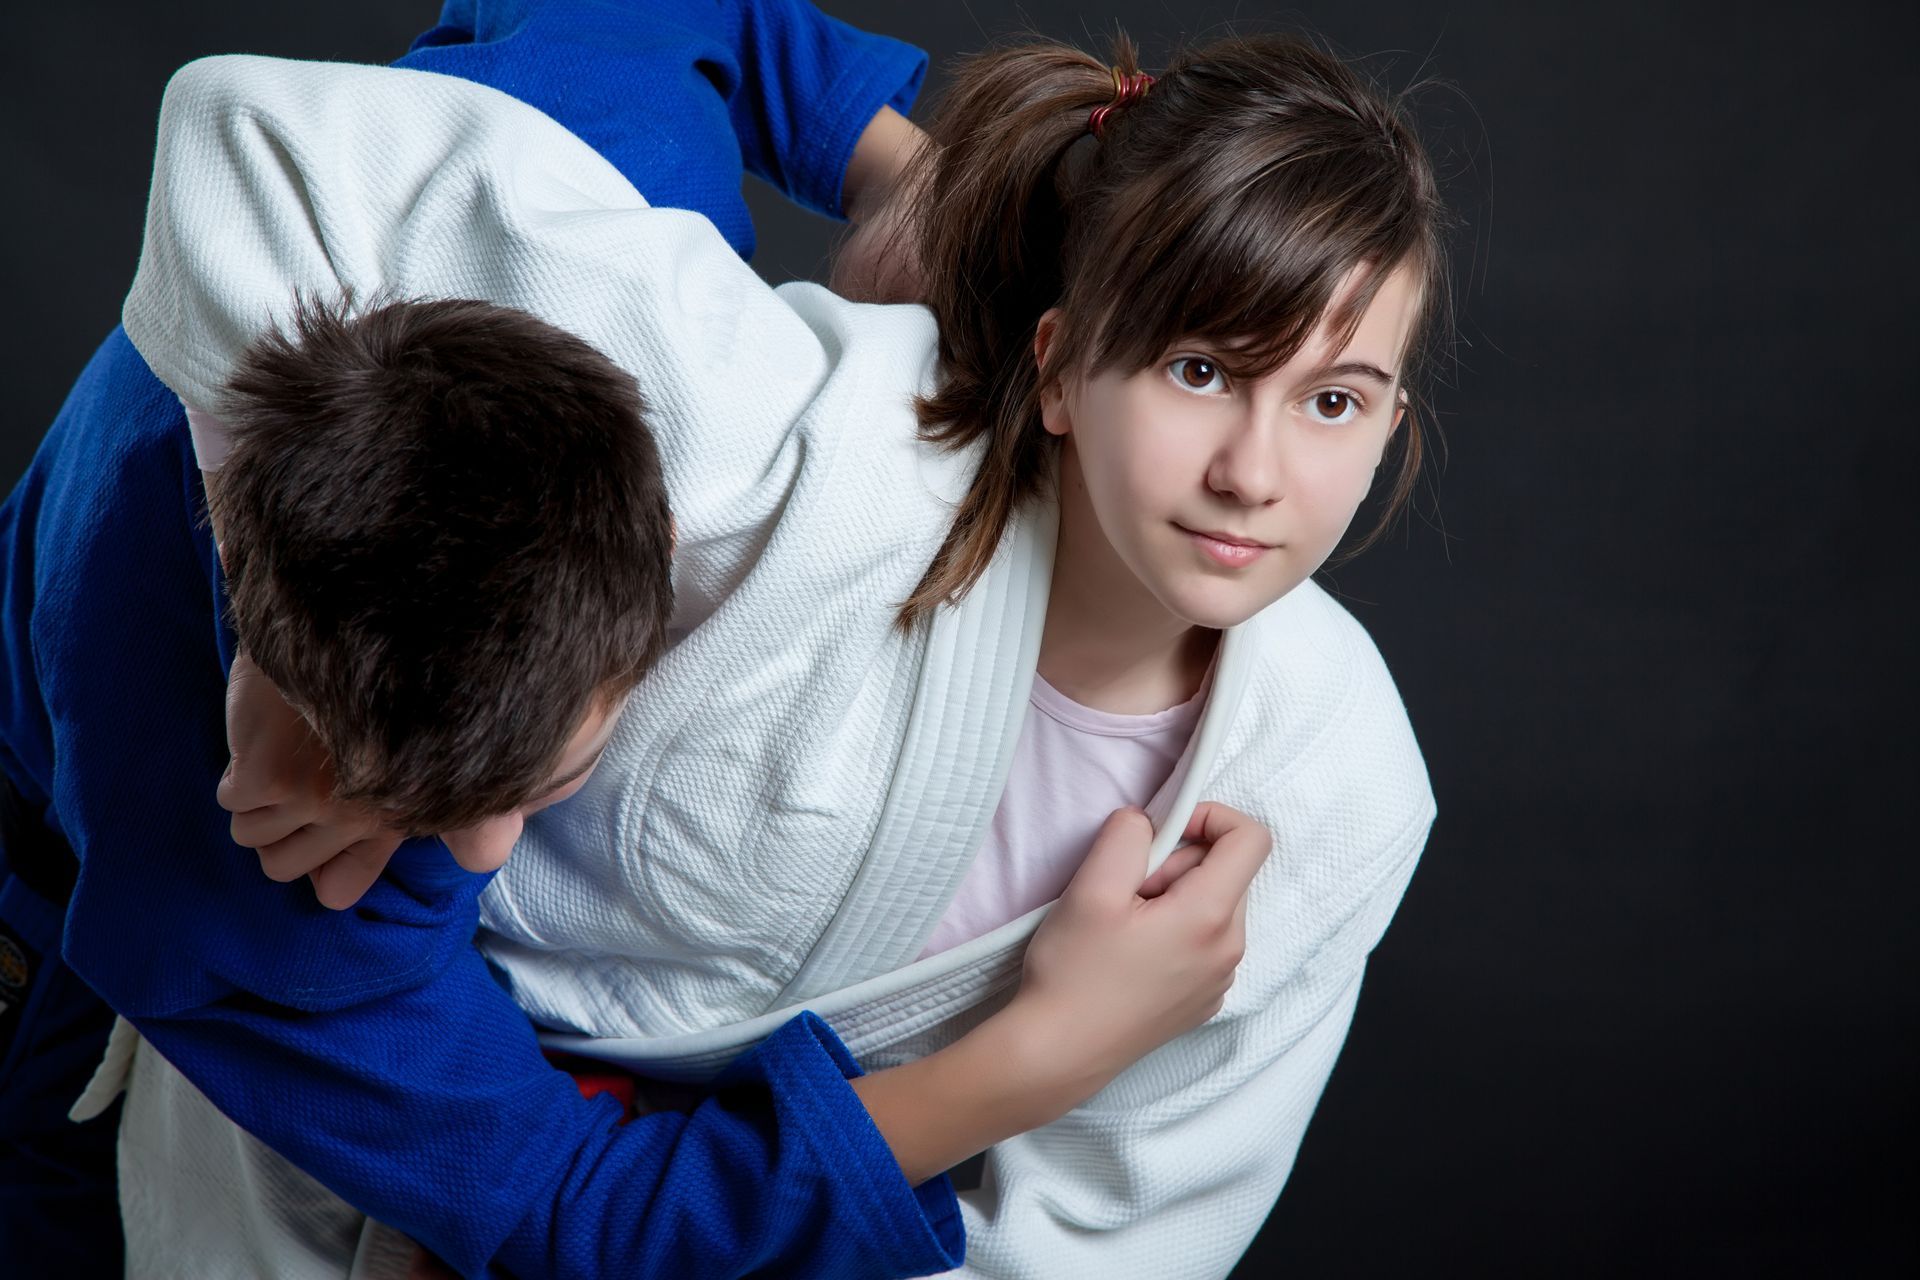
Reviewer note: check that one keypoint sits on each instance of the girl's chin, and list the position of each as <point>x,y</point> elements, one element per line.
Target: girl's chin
<point>1219,605</point>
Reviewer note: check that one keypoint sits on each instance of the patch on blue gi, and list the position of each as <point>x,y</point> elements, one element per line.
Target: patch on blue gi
<point>17,964</point>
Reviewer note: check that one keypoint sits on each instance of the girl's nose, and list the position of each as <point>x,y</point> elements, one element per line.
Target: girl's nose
<point>1248,467</point>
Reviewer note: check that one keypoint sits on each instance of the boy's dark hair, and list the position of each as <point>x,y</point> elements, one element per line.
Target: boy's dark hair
<point>445,535</point>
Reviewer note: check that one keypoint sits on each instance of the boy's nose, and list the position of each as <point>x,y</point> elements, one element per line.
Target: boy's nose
<point>485,845</point>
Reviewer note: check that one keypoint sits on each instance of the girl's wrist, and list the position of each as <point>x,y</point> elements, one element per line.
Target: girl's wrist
<point>998,1080</point>
<point>1032,1054</point>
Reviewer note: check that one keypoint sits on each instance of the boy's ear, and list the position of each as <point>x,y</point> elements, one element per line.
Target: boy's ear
<point>1053,407</point>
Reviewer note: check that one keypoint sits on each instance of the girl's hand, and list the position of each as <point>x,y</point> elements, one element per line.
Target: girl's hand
<point>1111,975</point>
<point>1122,966</point>
<point>1178,863</point>
<point>279,788</point>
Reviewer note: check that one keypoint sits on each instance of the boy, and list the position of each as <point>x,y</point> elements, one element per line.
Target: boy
<point>107,514</point>
<point>107,727</point>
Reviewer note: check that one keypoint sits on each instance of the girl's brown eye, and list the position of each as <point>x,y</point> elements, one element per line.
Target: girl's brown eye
<point>1197,373</point>
<point>1333,404</point>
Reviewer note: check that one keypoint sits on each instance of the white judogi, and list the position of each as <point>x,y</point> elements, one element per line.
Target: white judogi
<point>792,797</point>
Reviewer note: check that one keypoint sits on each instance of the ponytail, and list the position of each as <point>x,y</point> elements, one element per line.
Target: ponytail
<point>990,227</point>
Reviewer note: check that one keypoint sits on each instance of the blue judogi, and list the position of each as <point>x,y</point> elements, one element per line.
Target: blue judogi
<point>372,1046</point>
<point>680,97</point>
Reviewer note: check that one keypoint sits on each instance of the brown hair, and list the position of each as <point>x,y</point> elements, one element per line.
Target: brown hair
<point>1225,206</point>
<point>445,534</point>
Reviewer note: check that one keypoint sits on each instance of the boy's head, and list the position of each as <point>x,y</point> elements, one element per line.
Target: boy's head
<point>447,541</point>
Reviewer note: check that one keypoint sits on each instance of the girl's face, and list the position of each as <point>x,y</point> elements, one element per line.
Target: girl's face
<point>1217,496</point>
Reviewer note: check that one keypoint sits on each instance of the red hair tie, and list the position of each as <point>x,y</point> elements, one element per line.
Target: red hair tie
<point>1127,89</point>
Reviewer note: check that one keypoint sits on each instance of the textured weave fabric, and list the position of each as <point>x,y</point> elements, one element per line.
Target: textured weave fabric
<point>682,99</point>
<point>793,795</point>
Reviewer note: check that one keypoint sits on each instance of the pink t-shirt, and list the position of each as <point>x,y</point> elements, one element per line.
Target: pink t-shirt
<point>1071,768</point>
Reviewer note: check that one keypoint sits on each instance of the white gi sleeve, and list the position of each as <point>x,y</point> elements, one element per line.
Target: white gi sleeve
<point>275,178</point>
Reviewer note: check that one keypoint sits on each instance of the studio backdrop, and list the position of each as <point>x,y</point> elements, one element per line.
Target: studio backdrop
<point>1648,1007</point>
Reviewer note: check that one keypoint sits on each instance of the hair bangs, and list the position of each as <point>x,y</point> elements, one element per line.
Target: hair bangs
<point>1256,257</point>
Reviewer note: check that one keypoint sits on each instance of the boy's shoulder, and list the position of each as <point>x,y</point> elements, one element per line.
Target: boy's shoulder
<point>117,412</point>
<point>114,483</point>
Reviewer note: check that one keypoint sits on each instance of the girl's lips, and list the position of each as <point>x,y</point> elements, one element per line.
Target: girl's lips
<point>1231,552</point>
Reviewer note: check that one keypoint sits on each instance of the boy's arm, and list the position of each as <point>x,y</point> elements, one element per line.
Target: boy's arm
<point>880,261</point>
<point>432,1110</point>
<point>886,149</point>
<point>820,108</point>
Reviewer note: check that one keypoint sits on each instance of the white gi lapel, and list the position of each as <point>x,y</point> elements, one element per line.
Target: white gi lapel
<point>966,717</point>
<point>902,1009</point>
<point>1173,804</point>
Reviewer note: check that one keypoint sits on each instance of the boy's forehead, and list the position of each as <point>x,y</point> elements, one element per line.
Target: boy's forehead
<point>589,739</point>
<point>597,726</point>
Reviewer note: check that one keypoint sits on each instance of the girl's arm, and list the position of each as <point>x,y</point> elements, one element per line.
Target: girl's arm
<point>274,178</point>
<point>272,174</point>
<point>278,786</point>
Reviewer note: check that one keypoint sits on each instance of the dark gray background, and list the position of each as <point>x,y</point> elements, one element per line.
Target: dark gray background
<point>1649,1006</point>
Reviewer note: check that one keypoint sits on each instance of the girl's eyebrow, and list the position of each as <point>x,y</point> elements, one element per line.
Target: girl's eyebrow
<point>1352,369</point>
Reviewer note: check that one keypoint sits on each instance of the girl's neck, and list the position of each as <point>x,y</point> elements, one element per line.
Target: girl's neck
<point>1109,644</point>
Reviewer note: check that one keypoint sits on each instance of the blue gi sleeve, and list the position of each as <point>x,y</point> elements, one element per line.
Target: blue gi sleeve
<point>433,1110</point>
<point>655,86</point>
<point>372,1047</point>
<point>809,84</point>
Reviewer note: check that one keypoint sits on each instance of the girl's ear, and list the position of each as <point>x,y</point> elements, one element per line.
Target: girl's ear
<point>1053,397</point>
<point>1399,410</point>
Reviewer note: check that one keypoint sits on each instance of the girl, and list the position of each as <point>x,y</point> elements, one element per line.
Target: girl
<point>1177,327</point>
